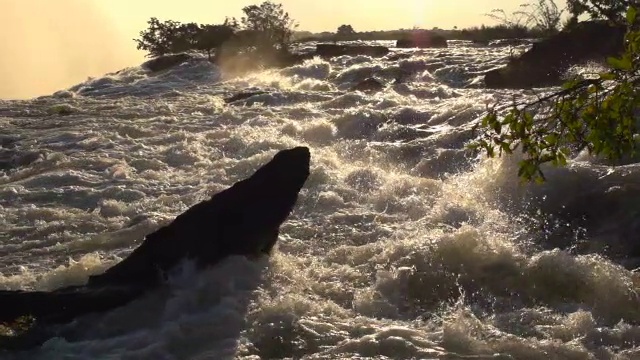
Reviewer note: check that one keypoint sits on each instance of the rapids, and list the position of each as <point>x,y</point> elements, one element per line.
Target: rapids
<point>403,245</point>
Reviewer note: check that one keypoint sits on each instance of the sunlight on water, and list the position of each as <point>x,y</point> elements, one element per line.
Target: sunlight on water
<point>404,244</point>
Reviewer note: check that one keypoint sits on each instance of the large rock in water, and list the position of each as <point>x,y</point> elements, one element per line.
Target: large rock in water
<point>242,220</point>
<point>545,63</point>
<point>333,50</point>
<point>422,40</point>
<point>166,62</point>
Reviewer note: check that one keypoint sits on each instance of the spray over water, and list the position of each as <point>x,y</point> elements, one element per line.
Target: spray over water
<point>49,45</point>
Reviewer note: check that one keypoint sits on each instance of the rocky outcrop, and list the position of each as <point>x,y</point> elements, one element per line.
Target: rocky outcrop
<point>166,62</point>
<point>547,60</point>
<point>333,50</point>
<point>238,63</point>
<point>421,40</point>
<point>241,220</point>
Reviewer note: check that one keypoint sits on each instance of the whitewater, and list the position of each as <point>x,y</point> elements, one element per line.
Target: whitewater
<point>404,243</point>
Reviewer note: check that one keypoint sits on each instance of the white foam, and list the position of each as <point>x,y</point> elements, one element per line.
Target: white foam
<point>402,244</point>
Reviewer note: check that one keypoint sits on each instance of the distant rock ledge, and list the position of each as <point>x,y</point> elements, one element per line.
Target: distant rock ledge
<point>248,62</point>
<point>423,41</point>
<point>546,62</point>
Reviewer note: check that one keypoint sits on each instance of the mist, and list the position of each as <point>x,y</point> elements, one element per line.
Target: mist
<point>47,46</point>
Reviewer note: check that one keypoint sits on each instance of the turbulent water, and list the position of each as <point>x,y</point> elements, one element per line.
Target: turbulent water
<point>403,245</point>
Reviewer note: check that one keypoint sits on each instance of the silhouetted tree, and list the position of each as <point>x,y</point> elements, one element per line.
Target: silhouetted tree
<point>212,37</point>
<point>185,37</point>
<point>345,30</point>
<point>158,39</point>
<point>173,37</point>
<point>269,24</point>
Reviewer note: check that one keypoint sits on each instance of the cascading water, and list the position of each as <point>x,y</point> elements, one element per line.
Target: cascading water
<point>404,244</point>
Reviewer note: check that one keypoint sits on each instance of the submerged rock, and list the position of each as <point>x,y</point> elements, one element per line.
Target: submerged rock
<point>368,85</point>
<point>547,60</point>
<point>243,96</point>
<point>241,220</point>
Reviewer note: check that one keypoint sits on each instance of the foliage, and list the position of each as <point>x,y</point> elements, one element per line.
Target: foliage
<point>543,15</point>
<point>517,19</point>
<point>479,33</point>
<point>270,21</point>
<point>159,37</point>
<point>597,114</point>
<point>345,30</point>
<point>211,37</point>
<point>613,10</point>
<point>170,36</point>
<point>263,27</point>
<point>497,32</point>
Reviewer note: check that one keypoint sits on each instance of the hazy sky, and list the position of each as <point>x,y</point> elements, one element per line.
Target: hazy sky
<point>317,15</point>
<point>48,45</point>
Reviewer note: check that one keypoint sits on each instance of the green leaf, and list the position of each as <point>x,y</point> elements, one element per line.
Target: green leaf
<point>505,147</point>
<point>562,160</point>
<point>570,84</point>
<point>551,139</point>
<point>621,64</point>
<point>632,13</point>
<point>497,127</point>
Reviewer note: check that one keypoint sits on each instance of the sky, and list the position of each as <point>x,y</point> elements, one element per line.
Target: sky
<point>316,15</point>
<point>48,45</point>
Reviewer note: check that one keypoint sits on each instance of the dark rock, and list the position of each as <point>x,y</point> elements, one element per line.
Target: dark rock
<point>238,63</point>
<point>295,59</point>
<point>547,60</point>
<point>243,96</point>
<point>11,159</point>
<point>399,56</point>
<point>333,50</point>
<point>63,305</point>
<point>422,40</point>
<point>8,141</point>
<point>251,210</point>
<point>241,220</point>
<point>166,62</point>
<point>403,74</point>
<point>368,85</point>
<point>509,42</point>
<point>589,215</point>
<point>241,63</point>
